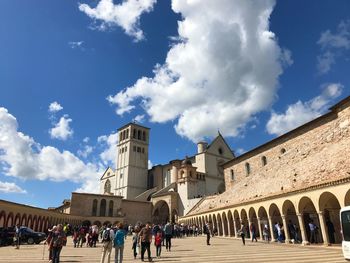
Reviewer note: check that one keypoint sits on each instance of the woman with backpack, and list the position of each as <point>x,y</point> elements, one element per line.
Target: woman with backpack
<point>119,243</point>
<point>107,240</point>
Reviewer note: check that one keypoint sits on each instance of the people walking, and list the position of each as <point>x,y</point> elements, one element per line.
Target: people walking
<point>313,234</point>
<point>58,240</point>
<point>119,243</point>
<point>135,241</point>
<point>253,231</point>
<point>146,240</point>
<point>107,240</point>
<point>266,233</point>
<point>158,243</point>
<point>206,230</point>
<point>168,230</point>
<point>241,232</point>
<point>18,235</point>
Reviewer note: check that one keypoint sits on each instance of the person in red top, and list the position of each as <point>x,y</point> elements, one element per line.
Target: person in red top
<point>158,243</point>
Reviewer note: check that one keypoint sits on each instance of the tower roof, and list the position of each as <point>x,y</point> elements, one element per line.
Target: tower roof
<point>133,124</point>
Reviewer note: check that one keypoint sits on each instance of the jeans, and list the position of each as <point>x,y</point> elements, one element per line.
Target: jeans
<point>159,250</point>
<point>146,246</point>
<point>243,238</point>
<point>168,241</point>
<point>119,254</point>
<point>56,254</point>
<point>208,238</point>
<point>134,248</point>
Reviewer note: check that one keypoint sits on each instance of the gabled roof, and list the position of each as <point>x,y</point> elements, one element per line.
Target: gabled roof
<point>105,172</point>
<point>217,138</point>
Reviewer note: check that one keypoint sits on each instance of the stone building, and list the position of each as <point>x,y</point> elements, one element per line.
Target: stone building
<point>299,177</point>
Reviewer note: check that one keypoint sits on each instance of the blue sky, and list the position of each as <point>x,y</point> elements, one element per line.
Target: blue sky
<point>186,70</point>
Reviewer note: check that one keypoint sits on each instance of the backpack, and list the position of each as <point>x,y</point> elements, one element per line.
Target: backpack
<point>106,236</point>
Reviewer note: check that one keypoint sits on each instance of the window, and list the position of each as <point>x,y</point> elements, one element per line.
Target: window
<point>283,151</point>
<point>121,176</point>
<point>138,149</point>
<point>122,149</point>
<point>126,148</point>
<point>247,168</point>
<point>127,134</point>
<point>143,150</point>
<point>94,207</point>
<point>134,133</point>
<point>110,208</point>
<point>120,136</point>
<point>134,148</point>
<point>139,134</point>
<point>103,207</point>
<point>232,175</point>
<point>263,160</point>
<point>123,135</point>
<point>107,187</point>
<point>220,151</point>
<point>144,135</point>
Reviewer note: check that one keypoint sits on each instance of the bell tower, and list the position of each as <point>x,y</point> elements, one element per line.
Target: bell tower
<point>132,160</point>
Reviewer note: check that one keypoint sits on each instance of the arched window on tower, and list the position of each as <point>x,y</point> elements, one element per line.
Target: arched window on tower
<point>94,207</point>
<point>127,134</point>
<point>103,207</point>
<point>139,134</point>
<point>134,133</point>
<point>107,187</point>
<point>110,209</point>
<point>144,135</point>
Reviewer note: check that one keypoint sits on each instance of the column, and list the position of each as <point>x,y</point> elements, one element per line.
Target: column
<point>260,229</point>
<point>323,229</point>
<point>285,227</point>
<point>302,229</point>
<point>224,234</point>
<point>249,223</point>
<point>271,229</point>
<point>235,228</point>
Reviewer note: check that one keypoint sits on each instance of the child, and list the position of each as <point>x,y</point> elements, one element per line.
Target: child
<point>158,243</point>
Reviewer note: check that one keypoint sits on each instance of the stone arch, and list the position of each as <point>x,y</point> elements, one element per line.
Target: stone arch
<point>39,225</point>
<point>264,219</point>
<point>17,219</point>
<point>220,232</point>
<point>24,220</point>
<point>225,225</point>
<point>276,218</point>
<point>30,221</point>
<point>244,220</point>
<point>103,206</point>
<point>94,208</point>
<point>307,208</point>
<point>231,228</point>
<point>347,198</point>
<point>10,220</point>
<point>330,207</point>
<point>288,210</point>
<point>107,187</point>
<point>210,220</point>
<point>2,219</point>
<point>34,223</point>
<point>161,212</point>
<point>254,221</point>
<point>215,225</point>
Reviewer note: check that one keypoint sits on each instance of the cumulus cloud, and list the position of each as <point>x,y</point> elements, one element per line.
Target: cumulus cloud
<point>62,130</point>
<point>55,107</point>
<point>6,187</point>
<point>139,118</point>
<point>333,45</point>
<point>86,151</point>
<point>302,112</point>
<point>223,69</point>
<point>125,15</point>
<point>109,155</point>
<point>150,164</point>
<point>22,157</point>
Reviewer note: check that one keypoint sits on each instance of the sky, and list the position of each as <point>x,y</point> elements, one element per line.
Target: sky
<point>73,72</point>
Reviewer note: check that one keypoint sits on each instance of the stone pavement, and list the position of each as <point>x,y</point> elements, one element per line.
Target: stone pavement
<point>191,249</point>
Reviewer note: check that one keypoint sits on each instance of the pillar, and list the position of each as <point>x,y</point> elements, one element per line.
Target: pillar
<point>249,223</point>
<point>271,229</point>
<point>302,229</point>
<point>285,227</point>
<point>260,230</point>
<point>323,229</point>
<point>223,227</point>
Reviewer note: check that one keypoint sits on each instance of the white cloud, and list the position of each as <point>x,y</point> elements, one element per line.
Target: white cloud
<point>6,187</point>
<point>150,164</point>
<point>86,139</point>
<point>55,107</point>
<point>22,157</point>
<point>109,155</point>
<point>76,44</point>
<point>333,45</point>
<point>126,14</point>
<point>62,130</point>
<point>86,151</point>
<point>302,112</point>
<point>240,151</point>
<point>223,69</point>
<point>139,118</point>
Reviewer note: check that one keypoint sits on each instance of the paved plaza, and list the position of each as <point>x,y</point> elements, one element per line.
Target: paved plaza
<point>191,249</point>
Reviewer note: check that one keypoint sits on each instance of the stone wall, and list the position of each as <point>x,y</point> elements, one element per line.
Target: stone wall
<point>314,153</point>
<point>135,211</point>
